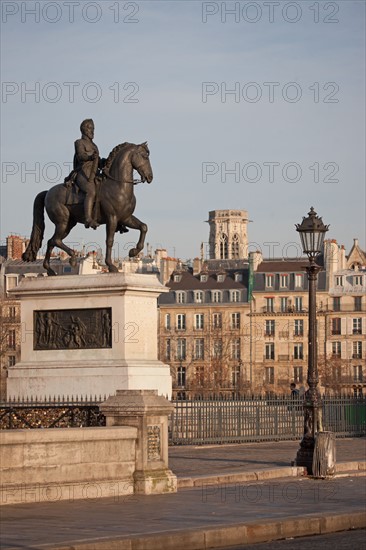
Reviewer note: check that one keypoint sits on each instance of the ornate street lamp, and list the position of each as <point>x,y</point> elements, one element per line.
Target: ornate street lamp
<point>312,232</point>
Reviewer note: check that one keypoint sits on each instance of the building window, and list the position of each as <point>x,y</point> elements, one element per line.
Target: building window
<point>217,320</point>
<point>181,321</point>
<point>199,345</point>
<point>299,280</point>
<point>336,325</point>
<point>217,348</point>
<point>198,297</point>
<point>284,281</point>
<point>337,303</point>
<point>181,297</point>
<point>11,360</point>
<point>235,296</point>
<point>283,302</point>
<point>11,339</point>
<point>298,375</point>
<point>168,349</point>
<point>269,305</point>
<point>235,246</point>
<point>270,351</point>
<point>357,350</point>
<point>235,376</point>
<point>298,303</point>
<point>235,320</point>
<point>199,376</point>
<point>224,247</point>
<point>216,296</point>
<point>299,327</point>
<point>181,348</point>
<point>357,325</point>
<point>235,349</point>
<point>269,375</point>
<point>269,327</point>
<point>167,321</point>
<point>337,373</point>
<point>339,280</point>
<point>198,321</point>
<point>269,281</point>
<point>357,280</point>
<point>298,351</point>
<point>357,373</point>
<point>358,303</point>
<point>336,349</point>
<point>12,312</point>
<point>181,376</point>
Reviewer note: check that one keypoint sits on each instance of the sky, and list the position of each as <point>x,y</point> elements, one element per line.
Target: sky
<point>245,105</point>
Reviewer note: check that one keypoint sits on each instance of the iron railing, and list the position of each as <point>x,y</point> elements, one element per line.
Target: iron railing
<point>51,413</point>
<point>260,419</point>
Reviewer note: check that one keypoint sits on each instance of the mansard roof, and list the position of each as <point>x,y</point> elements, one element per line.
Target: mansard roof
<point>190,283</point>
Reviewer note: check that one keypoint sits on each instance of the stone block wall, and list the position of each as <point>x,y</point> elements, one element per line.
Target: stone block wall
<point>67,464</point>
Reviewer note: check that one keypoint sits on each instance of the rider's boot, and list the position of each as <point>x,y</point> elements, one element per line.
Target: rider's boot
<point>88,206</point>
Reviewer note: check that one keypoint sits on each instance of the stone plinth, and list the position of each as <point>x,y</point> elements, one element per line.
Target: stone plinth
<point>147,412</point>
<point>128,359</point>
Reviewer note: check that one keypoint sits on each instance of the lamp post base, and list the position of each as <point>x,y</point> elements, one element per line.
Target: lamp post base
<point>305,454</point>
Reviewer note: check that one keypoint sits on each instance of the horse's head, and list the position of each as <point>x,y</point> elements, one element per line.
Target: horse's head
<point>141,162</point>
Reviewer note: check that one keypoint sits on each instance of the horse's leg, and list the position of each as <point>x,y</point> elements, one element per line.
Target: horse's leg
<point>111,229</point>
<point>135,223</point>
<point>61,231</point>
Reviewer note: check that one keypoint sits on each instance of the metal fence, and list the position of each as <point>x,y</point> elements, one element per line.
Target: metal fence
<point>51,413</point>
<point>260,419</point>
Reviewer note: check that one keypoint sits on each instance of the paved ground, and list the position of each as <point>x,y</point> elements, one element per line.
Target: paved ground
<point>188,460</point>
<point>204,516</point>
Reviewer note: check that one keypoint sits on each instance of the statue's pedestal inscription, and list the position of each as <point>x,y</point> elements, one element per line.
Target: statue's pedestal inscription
<point>88,335</point>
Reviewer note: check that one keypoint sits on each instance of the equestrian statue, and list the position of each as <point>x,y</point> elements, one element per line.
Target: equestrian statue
<point>97,191</point>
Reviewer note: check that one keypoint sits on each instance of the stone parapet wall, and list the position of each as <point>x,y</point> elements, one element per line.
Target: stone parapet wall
<point>62,464</point>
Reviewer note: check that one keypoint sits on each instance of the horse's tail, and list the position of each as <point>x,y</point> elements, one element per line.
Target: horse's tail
<point>36,238</point>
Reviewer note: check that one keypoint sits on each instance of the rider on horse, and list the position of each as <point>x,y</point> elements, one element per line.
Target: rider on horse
<point>86,164</point>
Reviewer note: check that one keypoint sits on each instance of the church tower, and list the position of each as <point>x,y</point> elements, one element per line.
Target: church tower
<point>228,234</point>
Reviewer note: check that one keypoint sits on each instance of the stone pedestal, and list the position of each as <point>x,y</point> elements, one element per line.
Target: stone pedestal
<point>67,348</point>
<point>148,412</point>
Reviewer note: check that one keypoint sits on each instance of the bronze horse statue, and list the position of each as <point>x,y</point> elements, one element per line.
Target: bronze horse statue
<point>116,206</point>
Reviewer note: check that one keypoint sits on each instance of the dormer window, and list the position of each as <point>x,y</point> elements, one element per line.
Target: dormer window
<point>177,278</point>
<point>180,297</point>
<point>339,280</point>
<point>238,277</point>
<point>269,281</point>
<point>203,277</point>
<point>284,280</point>
<point>299,280</point>
<point>220,277</point>
<point>235,296</point>
<point>216,296</point>
<point>198,296</point>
